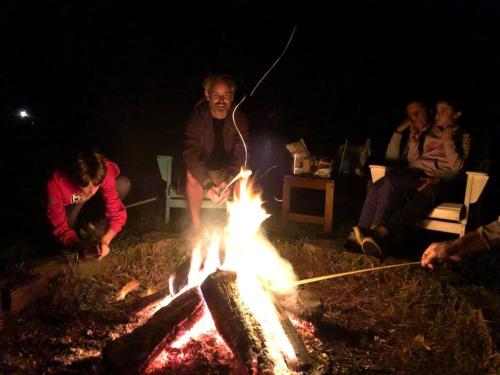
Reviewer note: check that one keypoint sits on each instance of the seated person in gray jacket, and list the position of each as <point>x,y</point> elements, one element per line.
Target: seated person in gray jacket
<point>397,201</point>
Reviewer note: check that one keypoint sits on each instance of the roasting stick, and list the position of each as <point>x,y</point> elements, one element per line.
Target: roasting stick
<point>335,275</point>
<point>141,202</point>
<point>242,100</point>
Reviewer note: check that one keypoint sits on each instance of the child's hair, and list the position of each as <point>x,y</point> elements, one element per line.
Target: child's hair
<point>86,166</point>
<point>453,102</point>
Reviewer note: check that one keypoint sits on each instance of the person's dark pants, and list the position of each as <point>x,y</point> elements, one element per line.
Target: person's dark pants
<point>389,193</point>
<point>420,204</point>
<point>73,210</point>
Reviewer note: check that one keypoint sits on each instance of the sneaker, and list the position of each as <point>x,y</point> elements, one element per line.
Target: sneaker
<point>371,247</point>
<point>359,234</point>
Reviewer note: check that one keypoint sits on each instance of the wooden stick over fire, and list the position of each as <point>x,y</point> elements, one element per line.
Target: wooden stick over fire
<point>342,274</point>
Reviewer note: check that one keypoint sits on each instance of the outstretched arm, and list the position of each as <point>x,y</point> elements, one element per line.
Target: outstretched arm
<point>483,239</point>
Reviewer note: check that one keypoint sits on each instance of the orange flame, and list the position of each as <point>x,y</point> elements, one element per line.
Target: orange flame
<point>257,263</point>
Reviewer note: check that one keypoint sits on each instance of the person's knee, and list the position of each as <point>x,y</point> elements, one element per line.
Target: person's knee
<point>431,196</point>
<point>387,185</point>
<point>391,179</point>
<point>194,190</point>
<point>123,185</point>
<point>192,182</point>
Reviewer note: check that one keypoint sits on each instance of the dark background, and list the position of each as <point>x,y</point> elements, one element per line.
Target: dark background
<point>125,77</point>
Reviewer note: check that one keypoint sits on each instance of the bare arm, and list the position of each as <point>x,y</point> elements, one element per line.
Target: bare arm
<point>193,152</point>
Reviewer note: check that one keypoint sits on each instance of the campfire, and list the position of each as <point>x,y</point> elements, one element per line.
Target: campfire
<point>228,308</point>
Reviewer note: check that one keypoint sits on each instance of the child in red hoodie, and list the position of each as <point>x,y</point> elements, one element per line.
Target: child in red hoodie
<point>70,187</point>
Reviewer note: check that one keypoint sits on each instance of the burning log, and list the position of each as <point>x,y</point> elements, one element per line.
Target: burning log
<point>304,360</point>
<point>236,323</point>
<point>129,353</point>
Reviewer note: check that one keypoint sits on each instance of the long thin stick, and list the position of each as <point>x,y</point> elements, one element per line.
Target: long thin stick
<point>141,202</point>
<point>244,97</point>
<point>335,275</point>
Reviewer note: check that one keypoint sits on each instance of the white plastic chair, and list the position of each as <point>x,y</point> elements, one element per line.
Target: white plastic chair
<point>174,199</point>
<point>447,217</point>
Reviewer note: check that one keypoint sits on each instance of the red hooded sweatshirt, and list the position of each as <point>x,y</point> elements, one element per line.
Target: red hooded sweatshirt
<point>62,192</point>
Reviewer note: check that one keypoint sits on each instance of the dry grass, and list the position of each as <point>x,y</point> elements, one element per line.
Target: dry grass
<point>403,321</point>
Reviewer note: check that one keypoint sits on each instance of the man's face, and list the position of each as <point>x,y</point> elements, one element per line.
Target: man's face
<point>417,115</point>
<point>445,115</point>
<point>220,97</point>
<point>89,190</point>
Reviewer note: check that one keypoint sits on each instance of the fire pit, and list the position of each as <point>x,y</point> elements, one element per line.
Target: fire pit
<point>227,311</point>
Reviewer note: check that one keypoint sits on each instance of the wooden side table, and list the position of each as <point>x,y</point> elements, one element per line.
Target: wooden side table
<point>292,181</point>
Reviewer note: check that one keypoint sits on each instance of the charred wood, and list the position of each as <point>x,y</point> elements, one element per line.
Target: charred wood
<point>128,354</point>
<point>304,360</point>
<point>236,323</point>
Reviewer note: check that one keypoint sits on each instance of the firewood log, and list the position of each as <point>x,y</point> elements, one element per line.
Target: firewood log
<point>304,359</point>
<point>236,323</point>
<point>128,354</point>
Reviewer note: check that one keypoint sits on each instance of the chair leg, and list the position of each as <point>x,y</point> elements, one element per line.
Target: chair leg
<point>167,212</point>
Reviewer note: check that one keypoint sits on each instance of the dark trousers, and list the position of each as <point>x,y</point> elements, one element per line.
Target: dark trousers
<point>395,202</point>
<point>73,210</point>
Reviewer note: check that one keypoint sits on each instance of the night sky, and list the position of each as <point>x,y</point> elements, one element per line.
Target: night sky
<point>125,78</point>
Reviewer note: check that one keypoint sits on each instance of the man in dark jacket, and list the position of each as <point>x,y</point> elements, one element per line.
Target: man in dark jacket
<point>214,150</point>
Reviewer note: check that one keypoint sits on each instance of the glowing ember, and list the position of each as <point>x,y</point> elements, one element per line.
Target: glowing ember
<point>204,326</point>
<point>196,348</point>
<point>259,268</point>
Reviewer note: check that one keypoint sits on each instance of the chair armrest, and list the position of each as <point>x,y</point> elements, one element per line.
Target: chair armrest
<point>377,171</point>
<point>476,181</point>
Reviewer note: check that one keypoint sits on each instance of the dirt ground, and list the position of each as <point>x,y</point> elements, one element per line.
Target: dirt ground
<point>400,321</point>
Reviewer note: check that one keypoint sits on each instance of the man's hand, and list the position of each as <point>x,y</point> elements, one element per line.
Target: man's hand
<point>404,125</point>
<point>213,194</point>
<point>223,195</point>
<point>216,193</point>
<point>428,181</point>
<point>440,252</point>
